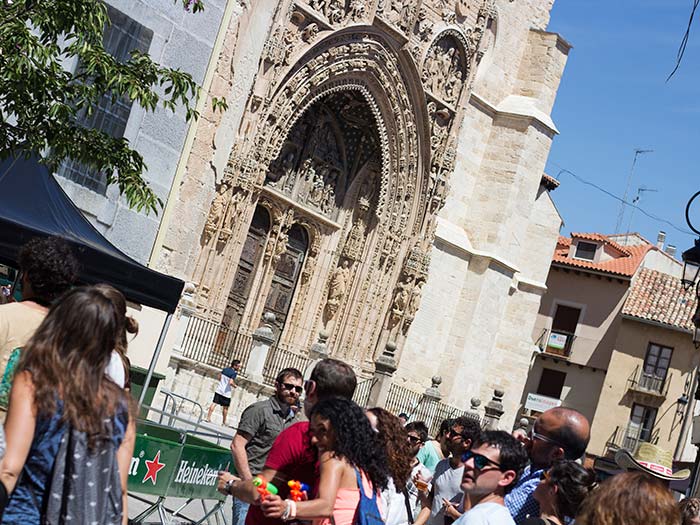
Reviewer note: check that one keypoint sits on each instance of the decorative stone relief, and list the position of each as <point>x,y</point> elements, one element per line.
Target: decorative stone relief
<point>444,69</point>
<point>337,289</point>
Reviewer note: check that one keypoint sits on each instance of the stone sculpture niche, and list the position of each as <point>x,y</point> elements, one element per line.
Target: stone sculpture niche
<point>445,69</point>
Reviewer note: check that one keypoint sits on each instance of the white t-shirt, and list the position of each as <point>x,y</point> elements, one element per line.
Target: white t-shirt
<point>115,369</point>
<point>394,503</point>
<point>447,484</point>
<point>486,514</point>
<point>224,387</point>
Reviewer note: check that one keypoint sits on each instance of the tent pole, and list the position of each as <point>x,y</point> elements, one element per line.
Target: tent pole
<point>156,355</point>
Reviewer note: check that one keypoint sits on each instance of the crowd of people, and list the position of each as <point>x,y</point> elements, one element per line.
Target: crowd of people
<point>69,434</point>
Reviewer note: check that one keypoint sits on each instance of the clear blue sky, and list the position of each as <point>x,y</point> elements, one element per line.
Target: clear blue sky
<point>614,98</point>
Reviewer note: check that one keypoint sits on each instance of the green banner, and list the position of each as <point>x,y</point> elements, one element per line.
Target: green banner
<point>153,465</point>
<point>167,462</point>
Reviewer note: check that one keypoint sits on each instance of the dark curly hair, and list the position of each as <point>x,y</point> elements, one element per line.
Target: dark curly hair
<point>355,441</point>
<point>573,483</point>
<point>394,438</point>
<point>50,267</point>
<point>690,510</point>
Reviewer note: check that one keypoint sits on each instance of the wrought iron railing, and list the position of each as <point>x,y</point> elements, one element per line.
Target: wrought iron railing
<point>212,343</point>
<point>628,437</point>
<point>645,382</point>
<point>362,392</point>
<point>278,359</point>
<point>420,407</point>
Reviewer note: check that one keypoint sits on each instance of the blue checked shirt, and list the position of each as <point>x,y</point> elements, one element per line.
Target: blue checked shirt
<point>520,501</point>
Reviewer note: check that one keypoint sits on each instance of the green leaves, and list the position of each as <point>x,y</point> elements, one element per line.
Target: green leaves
<point>42,92</point>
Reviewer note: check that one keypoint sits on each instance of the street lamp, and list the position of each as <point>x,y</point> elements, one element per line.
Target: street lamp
<point>691,257</point>
<point>696,324</point>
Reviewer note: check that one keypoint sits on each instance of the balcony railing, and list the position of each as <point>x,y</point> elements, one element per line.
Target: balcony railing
<point>641,381</point>
<point>628,437</point>
<point>556,342</point>
<point>212,343</point>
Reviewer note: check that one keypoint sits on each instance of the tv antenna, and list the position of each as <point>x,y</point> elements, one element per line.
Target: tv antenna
<point>621,213</point>
<point>640,191</point>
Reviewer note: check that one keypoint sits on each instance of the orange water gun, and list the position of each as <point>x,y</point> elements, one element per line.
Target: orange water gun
<point>265,488</point>
<point>298,491</point>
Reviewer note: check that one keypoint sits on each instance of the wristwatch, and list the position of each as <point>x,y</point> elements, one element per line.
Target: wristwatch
<point>229,485</point>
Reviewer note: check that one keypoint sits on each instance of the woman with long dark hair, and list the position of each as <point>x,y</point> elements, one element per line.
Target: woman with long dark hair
<point>66,417</point>
<point>349,451</point>
<point>394,438</point>
<point>561,492</point>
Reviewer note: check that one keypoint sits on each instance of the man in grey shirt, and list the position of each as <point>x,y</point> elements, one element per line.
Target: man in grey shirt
<point>260,424</point>
<point>446,495</point>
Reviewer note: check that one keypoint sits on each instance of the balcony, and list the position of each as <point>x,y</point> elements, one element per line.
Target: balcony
<point>648,386</point>
<point>556,342</point>
<point>628,437</point>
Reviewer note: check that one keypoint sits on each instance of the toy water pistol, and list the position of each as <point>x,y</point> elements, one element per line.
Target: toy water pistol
<point>264,487</point>
<point>298,491</point>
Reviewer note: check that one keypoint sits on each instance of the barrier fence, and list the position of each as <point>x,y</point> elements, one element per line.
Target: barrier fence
<point>216,345</point>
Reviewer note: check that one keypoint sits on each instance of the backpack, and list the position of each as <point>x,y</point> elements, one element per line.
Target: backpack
<point>367,510</point>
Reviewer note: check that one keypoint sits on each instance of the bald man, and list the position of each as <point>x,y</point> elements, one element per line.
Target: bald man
<point>558,434</point>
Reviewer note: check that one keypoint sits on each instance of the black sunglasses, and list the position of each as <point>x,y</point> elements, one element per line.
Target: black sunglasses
<point>415,440</point>
<point>289,386</point>
<point>479,461</point>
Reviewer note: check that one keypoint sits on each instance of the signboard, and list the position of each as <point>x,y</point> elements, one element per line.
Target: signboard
<point>153,465</point>
<point>557,341</point>
<point>540,403</point>
<point>695,436</point>
<point>198,470</point>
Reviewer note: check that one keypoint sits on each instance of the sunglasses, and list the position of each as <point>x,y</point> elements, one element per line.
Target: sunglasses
<point>479,461</point>
<point>539,437</point>
<point>544,476</point>
<point>415,440</point>
<point>289,386</point>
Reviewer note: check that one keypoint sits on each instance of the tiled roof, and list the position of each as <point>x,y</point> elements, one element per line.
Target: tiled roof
<point>626,265</point>
<point>550,183</point>
<point>659,297</point>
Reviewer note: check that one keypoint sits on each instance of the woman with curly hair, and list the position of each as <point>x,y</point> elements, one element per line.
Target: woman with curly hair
<point>65,417</point>
<point>350,458</point>
<point>561,492</point>
<point>394,439</point>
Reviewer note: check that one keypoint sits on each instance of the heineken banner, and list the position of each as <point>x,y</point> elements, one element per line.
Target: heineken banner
<point>170,463</point>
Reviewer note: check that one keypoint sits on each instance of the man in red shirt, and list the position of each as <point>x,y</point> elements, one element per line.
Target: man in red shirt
<point>292,457</point>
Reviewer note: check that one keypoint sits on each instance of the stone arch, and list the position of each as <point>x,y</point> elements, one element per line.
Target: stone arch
<point>445,66</point>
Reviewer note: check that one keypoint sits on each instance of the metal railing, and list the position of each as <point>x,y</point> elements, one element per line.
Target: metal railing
<point>628,437</point>
<point>212,343</point>
<point>420,407</point>
<point>362,392</point>
<point>649,383</point>
<point>279,358</point>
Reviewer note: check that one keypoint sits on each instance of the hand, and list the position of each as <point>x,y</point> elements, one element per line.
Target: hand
<point>450,509</point>
<point>224,478</point>
<point>273,506</point>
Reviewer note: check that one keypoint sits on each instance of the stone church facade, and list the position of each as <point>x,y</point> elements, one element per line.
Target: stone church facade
<point>378,181</point>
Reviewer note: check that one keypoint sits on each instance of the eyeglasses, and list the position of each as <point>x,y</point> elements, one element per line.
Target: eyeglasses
<point>309,384</point>
<point>544,476</point>
<point>289,386</point>
<point>454,434</point>
<point>480,461</point>
<point>415,440</point>
<point>534,435</point>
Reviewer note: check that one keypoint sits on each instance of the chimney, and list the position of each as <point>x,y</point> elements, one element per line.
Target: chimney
<point>671,250</point>
<point>660,240</point>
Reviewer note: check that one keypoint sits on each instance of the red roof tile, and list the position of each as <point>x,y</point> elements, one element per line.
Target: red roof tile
<point>625,265</point>
<point>659,297</point>
<point>550,183</point>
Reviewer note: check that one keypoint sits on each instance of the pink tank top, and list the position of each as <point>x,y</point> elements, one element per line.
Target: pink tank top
<point>346,502</point>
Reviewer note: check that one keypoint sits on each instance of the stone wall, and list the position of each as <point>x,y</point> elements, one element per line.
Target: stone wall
<point>180,40</point>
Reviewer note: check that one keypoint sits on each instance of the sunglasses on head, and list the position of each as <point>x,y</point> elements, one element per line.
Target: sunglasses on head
<point>415,440</point>
<point>289,386</point>
<point>480,461</point>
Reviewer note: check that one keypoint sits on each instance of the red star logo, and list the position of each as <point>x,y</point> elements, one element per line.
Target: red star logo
<point>153,468</point>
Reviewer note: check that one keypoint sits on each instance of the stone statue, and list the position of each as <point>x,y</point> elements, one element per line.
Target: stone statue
<point>338,287</point>
<point>403,296</point>
<point>217,210</point>
<point>414,300</point>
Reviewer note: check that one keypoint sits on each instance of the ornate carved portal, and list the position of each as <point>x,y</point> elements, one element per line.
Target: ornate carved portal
<point>348,145</point>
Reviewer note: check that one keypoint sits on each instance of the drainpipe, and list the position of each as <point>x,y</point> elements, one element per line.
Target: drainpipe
<point>689,412</point>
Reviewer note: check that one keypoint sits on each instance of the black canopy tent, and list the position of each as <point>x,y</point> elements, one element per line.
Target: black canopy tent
<point>33,204</point>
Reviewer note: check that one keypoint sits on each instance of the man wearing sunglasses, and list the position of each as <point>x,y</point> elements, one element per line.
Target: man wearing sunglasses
<point>441,504</point>
<point>491,469</point>
<point>292,456</point>
<point>258,428</point>
<point>557,434</point>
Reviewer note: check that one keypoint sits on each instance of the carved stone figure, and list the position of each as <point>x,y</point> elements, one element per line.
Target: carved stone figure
<point>443,70</point>
<point>403,296</point>
<point>218,209</point>
<point>357,10</point>
<point>309,32</point>
<point>337,288</point>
